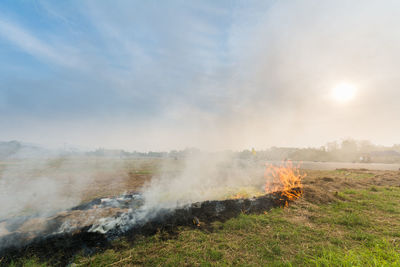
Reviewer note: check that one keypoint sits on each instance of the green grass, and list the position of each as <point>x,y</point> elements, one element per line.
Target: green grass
<point>353,174</point>
<point>33,262</point>
<point>362,229</point>
<point>353,232</point>
<point>381,253</point>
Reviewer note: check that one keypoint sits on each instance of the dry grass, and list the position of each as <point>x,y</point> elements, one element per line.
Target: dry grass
<point>350,219</point>
<point>346,218</point>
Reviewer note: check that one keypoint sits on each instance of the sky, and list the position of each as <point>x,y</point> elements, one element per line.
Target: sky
<point>161,75</point>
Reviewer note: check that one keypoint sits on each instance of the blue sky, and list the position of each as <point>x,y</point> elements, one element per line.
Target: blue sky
<point>214,74</point>
<point>87,58</point>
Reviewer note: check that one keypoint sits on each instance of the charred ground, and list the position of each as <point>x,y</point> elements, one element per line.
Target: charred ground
<point>61,247</point>
<point>345,217</point>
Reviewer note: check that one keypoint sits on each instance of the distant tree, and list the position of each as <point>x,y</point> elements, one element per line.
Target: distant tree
<point>365,146</point>
<point>332,146</point>
<point>396,147</point>
<point>349,146</point>
<point>9,148</point>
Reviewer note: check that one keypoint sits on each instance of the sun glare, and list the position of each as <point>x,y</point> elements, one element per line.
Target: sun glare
<point>343,92</point>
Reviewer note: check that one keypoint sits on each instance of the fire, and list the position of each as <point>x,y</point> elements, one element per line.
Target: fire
<point>283,181</point>
<point>284,178</point>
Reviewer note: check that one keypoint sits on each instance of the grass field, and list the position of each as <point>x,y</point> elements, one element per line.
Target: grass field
<point>346,218</point>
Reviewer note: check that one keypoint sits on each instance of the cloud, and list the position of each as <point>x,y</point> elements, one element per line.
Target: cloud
<point>32,45</point>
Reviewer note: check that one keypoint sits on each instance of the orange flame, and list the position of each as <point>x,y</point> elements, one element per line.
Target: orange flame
<point>284,178</point>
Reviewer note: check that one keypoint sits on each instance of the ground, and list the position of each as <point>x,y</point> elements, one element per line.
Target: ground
<point>345,218</point>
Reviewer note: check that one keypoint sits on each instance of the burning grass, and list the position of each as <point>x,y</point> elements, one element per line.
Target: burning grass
<point>326,236</point>
<point>145,218</point>
<point>360,227</point>
<point>283,178</point>
<point>304,234</point>
<point>340,221</point>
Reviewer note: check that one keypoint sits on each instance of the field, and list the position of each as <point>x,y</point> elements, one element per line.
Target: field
<point>345,218</point>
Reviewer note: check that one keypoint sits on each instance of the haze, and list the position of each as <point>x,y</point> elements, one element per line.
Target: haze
<point>150,75</point>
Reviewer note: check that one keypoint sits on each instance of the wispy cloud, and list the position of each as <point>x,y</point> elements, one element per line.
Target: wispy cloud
<point>36,47</point>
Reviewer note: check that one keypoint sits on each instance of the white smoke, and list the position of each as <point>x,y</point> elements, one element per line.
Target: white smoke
<point>200,176</point>
<point>204,176</point>
<point>50,183</point>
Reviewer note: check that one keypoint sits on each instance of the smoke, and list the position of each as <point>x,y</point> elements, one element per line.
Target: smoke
<point>288,58</point>
<point>48,183</point>
<point>204,176</point>
<point>198,177</point>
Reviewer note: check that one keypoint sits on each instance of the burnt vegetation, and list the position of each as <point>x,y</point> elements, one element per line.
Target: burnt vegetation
<point>60,248</point>
<point>345,217</point>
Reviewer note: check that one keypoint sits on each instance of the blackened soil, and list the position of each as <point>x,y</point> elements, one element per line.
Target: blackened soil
<point>59,249</point>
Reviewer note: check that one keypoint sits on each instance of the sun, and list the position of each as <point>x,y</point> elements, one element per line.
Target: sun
<point>343,92</point>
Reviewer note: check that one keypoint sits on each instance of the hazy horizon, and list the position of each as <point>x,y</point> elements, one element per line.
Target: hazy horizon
<point>214,75</point>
